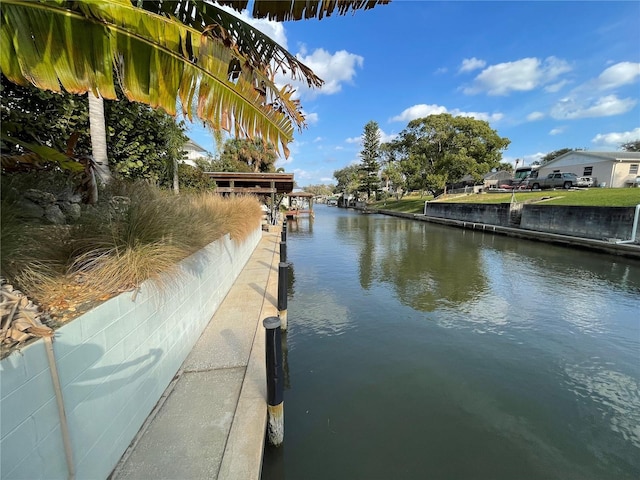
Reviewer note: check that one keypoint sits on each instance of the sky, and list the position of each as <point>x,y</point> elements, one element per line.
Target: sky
<point>546,75</point>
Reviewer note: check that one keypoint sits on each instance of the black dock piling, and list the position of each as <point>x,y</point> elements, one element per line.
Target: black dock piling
<point>275,381</point>
<point>283,251</point>
<point>283,271</point>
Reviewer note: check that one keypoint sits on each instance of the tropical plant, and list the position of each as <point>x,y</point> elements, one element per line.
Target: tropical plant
<point>142,142</point>
<point>244,155</point>
<point>188,52</point>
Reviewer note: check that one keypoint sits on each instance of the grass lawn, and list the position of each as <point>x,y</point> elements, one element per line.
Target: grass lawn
<point>604,197</point>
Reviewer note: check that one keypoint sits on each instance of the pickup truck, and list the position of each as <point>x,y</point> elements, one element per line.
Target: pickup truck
<point>554,180</point>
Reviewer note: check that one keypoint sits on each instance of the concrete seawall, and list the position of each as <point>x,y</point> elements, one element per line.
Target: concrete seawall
<point>598,223</point>
<point>625,250</point>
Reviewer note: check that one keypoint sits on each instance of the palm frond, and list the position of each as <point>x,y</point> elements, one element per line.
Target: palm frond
<point>284,10</point>
<point>157,60</point>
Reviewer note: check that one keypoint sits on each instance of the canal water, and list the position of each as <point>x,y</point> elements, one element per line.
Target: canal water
<point>421,351</point>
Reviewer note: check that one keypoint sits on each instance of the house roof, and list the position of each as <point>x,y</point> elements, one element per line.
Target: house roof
<point>193,146</point>
<point>622,156</point>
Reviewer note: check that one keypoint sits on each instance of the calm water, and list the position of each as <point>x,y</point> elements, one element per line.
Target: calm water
<point>419,351</point>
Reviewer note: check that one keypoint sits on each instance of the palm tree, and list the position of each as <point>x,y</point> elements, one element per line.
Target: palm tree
<point>190,53</point>
<point>98,131</point>
<point>242,154</point>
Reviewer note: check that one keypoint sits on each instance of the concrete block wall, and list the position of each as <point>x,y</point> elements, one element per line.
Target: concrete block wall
<point>599,223</point>
<point>492,214</point>
<point>114,364</point>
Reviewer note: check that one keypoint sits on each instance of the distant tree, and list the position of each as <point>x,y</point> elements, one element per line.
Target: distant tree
<point>206,164</point>
<point>505,166</point>
<point>244,155</point>
<point>319,189</point>
<point>633,146</point>
<point>192,178</point>
<point>370,155</point>
<point>391,175</point>
<point>555,154</point>
<point>440,149</point>
<point>348,179</point>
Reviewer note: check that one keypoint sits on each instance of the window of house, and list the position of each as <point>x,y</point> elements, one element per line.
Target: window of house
<point>588,171</point>
<point>633,169</point>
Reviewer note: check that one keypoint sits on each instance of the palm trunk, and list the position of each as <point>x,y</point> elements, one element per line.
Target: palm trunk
<point>176,183</point>
<point>99,138</point>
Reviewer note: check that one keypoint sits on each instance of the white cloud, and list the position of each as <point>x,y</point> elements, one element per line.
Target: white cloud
<point>533,116</point>
<point>470,64</point>
<point>441,71</point>
<point>301,175</point>
<point>555,87</point>
<point>616,138</point>
<point>570,108</point>
<point>521,75</point>
<point>623,73</point>
<point>557,131</point>
<point>310,118</point>
<point>423,110</point>
<point>384,137</point>
<point>281,162</point>
<point>334,69</point>
<point>317,139</point>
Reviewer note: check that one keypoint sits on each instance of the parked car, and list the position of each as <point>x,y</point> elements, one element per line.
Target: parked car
<point>586,181</point>
<point>555,180</point>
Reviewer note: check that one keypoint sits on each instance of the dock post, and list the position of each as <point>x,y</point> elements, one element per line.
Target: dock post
<point>283,233</point>
<point>283,251</point>
<point>275,385</point>
<point>283,268</point>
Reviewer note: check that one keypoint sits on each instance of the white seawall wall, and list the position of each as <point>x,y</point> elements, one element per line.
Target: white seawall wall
<point>114,364</point>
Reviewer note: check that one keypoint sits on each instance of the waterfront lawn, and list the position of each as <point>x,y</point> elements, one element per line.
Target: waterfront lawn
<point>408,204</point>
<point>602,197</point>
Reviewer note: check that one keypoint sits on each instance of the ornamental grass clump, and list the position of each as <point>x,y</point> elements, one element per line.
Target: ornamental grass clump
<point>136,233</point>
<point>240,215</point>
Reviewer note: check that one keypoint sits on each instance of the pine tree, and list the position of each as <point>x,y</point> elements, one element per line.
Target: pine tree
<point>370,154</point>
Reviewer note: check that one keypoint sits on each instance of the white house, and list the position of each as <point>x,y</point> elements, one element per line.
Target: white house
<point>193,151</point>
<point>610,169</point>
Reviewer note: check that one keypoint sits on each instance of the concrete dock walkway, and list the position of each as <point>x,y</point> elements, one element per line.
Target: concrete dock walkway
<point>210,423</point>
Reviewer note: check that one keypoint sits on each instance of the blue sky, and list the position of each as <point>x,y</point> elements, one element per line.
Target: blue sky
<point>546,75</point>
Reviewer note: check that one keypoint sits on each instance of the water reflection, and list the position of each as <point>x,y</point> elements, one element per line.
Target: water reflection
<point>616,395</point>
<point>428,268</point>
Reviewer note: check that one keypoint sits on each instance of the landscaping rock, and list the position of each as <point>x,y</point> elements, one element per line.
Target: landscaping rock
<point>71,210</point>
<point>43,199</point>
<point>29,209</point>
<point>54,215</point>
